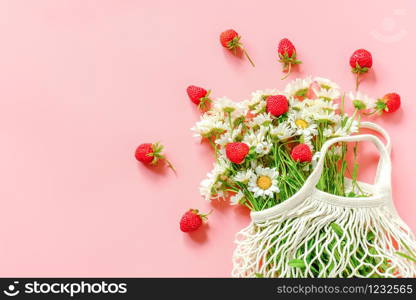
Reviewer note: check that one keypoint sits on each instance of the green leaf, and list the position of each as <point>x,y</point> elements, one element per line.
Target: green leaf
<point>338,230</point>
<point>296,263</point>
<point>408,249</point>
<point>358,104</point>
<point>258,275</point>
<point>355,171</point>
<point>406,256</point>
<point>301,92</point>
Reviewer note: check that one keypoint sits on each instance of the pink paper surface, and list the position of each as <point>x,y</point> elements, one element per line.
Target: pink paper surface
<point>82,83</point>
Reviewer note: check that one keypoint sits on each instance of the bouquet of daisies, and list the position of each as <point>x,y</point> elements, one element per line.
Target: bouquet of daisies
<point>267,146</point>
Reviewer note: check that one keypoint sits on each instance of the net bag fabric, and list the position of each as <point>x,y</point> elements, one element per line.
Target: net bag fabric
<point>316,234</point>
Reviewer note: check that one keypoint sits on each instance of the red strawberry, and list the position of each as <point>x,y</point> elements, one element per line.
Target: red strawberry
<point>360,61</point>
<point>287,56</point>
<point>389,103</point>
<point>148,153</point>
<point>277,105</point>
<point>192,220</point>
<point>286,47</point>
<point>237,152</point>
<point>392,102</point>
<point>199,96</point>
<point>145,153</point>
<point>231,40</point>
<point>301,153</point>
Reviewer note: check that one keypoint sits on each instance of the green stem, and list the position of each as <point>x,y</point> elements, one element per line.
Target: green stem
<point>214,147</point>
<point>288,72</point>
<point>357,81</point>
<point>248,57</point>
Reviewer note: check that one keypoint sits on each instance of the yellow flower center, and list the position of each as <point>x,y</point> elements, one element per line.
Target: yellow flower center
<point>264,182</point>
<point>301,123</point>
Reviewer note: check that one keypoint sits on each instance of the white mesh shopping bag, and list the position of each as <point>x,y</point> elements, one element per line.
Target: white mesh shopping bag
<point>316,234</point>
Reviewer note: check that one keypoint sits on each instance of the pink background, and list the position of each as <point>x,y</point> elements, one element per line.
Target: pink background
<point>84,82</point>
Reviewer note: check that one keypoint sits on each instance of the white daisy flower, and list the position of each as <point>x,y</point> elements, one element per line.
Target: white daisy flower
<point>282,131</point>
<point>326,115</point>
<point>302,123</point>
<point>243,176</point>
<point>351,126</point>
<point>208,126</point>
<point>229,136</point>
<point>255,106</point>
<point>319,104</point>
<point>222,152</point>
<point>209,188</point>
<point>218,192</point>
<point>361,101</point>
<point>327,95</point>
<point>244,107</point>
<point>220,167</point>
<point>322,110</point>
<point>263,119</point>
<point>236,199</point>
<point>339,132</point>
<point>206,187</point>
<point>252,138</point>
<point>264,182</point>
<point>256,97</point>
<point>263,148</point>
<point>225,104</point>
<point>326,84</point>
<point>295,104</point>
<point>328,132</point>
<point>298,88</point>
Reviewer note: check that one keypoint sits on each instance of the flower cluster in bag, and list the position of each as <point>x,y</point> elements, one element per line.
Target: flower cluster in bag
<point>266,146</point>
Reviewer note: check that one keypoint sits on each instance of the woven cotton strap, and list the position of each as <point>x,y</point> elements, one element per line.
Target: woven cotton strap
<point>380,130</point>
<point>383,133</point>
<point>382,182</point>
<point>383,178</point>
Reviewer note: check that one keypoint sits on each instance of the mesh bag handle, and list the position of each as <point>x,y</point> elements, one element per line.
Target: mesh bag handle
<point>380,130</point>
<point>382,180</point>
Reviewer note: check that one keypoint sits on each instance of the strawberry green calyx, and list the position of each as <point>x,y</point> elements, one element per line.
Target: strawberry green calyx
<point>358,70</point>
<point>204,217</point>
<point>287,62</point>
<point>205,102</point>
<point>381,106</point>
<point>234,44</point>
<point>157,155</point>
